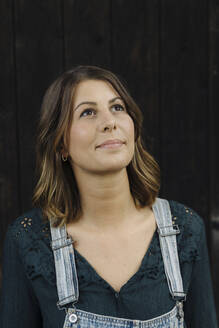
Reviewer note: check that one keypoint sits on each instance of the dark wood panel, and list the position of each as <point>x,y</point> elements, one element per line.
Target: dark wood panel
<point>39,59</point>
<point>214,138</point>
<point>87,33</point>
<point>135,36</point>
<point>9,179</point>
<point>184,103</point>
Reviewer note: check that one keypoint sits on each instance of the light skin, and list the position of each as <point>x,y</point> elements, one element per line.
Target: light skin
<point>101,174</point>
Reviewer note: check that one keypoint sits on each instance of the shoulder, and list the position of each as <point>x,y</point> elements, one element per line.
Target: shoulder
<point>27,230</point>
<point>29,236</point>
<point>192,230</point>
<point>185,216</point>
<point>29,223</point>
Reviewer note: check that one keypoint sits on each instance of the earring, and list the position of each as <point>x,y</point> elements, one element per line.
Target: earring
<point>64,158</point>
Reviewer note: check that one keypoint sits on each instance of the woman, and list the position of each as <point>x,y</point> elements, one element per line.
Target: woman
<point>100,249</point>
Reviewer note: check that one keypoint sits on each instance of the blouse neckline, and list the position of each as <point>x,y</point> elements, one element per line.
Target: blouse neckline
<point>96,276</point>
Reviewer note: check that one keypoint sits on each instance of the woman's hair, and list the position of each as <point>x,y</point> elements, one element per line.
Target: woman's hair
<point>56,191</point>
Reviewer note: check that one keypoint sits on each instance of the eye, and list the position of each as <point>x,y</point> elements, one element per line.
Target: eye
<point>85,111</point>
<point>118,106</point>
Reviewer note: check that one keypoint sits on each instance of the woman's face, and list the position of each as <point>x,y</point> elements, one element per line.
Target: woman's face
<point>99,115</point>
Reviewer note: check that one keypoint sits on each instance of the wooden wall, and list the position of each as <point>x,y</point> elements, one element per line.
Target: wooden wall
<point>167,51</point>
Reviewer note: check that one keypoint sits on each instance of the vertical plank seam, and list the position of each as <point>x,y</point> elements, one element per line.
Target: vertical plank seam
<point>62,14</point>
<point>16,109</point>
<point>111,31</point>
<point>159,86</point>
<point>210,128</point>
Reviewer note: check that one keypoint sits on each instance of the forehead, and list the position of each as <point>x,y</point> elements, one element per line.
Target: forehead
<point>94,90</point>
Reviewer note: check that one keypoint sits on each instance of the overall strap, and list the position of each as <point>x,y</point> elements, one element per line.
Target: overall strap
<point>66,275</point>
<point>167,236</point>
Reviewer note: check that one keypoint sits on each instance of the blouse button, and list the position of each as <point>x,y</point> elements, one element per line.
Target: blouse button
<point>73,318</point>
<point>116,295</point>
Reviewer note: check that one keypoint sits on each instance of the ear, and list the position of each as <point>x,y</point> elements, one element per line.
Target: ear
<point>63,152</point>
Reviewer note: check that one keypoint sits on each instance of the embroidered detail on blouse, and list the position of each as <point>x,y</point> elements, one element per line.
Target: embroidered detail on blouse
<point>26,221</point>
<point>46,231</point>
<point>34,247</point>
<point>152,266</point>
<point>188,245</point>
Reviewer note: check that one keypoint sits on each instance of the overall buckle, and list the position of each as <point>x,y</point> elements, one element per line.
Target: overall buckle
<point>169,230</point>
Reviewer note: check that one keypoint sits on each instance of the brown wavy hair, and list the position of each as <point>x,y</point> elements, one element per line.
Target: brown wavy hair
<point>56,191</point>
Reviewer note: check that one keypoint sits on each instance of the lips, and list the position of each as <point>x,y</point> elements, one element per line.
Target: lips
<point>111,142</point>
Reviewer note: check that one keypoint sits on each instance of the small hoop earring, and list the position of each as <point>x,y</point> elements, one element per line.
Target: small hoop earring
<point>64,158</point>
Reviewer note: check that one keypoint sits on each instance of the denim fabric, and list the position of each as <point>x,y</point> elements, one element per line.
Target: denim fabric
<point>91,320</point>
<point>67,282</point>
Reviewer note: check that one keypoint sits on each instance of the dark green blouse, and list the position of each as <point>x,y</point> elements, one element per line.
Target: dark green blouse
<point>29,293</point>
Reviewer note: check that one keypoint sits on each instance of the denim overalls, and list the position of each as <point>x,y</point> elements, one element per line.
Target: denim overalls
<point>67,281</point>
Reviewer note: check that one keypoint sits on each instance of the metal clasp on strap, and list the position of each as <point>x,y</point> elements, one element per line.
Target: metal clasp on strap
<point>60,243</point>
<point>61,307</point>
<point>169,230</point>
<point>179,296</point>
<point>180,312</point>
<point>70,299</point>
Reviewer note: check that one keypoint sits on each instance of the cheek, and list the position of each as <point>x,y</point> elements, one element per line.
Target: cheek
<point>77,142</point>
<point>79,137</point>
<point>130,127</point>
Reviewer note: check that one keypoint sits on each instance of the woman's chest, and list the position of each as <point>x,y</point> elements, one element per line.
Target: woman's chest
<point>115,258</point>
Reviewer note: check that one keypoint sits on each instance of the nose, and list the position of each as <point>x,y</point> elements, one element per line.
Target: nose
<point>109,125</point>
<point>107,122</point>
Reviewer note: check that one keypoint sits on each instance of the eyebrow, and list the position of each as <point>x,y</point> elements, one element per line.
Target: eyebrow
<point>94,103</point>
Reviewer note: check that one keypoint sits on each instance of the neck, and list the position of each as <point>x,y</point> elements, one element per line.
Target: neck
<point>106,201</point>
